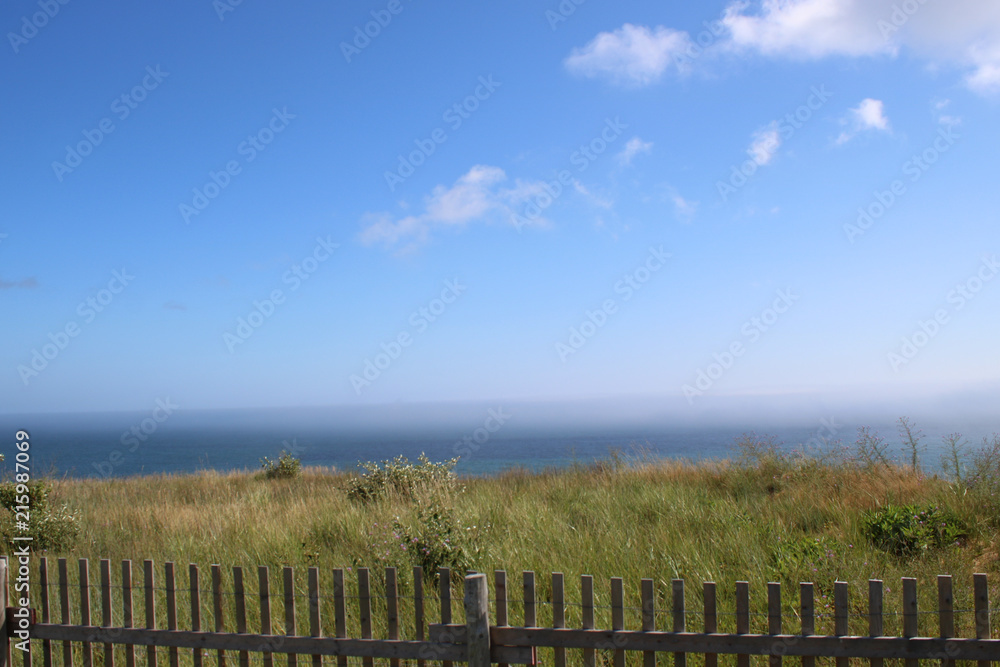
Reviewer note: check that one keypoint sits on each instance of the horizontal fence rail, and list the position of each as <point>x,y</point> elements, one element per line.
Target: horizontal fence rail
<point>231,618</point>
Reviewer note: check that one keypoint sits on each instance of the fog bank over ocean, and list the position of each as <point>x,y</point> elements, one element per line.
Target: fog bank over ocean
<point>170,437</point>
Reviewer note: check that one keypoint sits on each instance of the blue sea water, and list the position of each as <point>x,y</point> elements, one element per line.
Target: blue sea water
<point>123,444</point>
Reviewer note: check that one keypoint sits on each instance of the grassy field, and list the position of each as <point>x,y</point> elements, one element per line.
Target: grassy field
<point>761,520</point>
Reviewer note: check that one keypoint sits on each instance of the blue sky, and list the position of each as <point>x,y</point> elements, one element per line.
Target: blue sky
<point>267,206</point>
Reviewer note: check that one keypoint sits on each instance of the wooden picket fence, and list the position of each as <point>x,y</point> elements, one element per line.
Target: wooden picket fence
<point>481,639</point>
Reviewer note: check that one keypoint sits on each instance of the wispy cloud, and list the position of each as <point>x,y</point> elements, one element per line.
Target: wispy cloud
<point>476,196</point>
<point>868,115</point>
<point>26,283</point>
<point>765,143</point>
<point>634,146</point>
<point>632,55</point>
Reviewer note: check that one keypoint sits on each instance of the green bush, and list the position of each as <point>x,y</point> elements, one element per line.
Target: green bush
<point>286,467</point>
<point>50,528</point>
<point>399,477</point>
<point>909,530</point>
<point>982,478</point>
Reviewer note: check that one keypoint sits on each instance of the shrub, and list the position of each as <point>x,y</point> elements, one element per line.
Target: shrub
<point>982,478</point>
<point>908,530</point>
<point>50,528</point>
<point>286,467</point>
<point>399,477</point>
<point>438,539</point>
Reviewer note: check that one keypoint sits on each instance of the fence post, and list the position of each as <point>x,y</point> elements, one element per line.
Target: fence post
<point>477,620</point>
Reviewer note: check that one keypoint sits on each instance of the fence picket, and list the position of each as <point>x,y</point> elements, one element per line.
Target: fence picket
<point>618,616</point>
<point>558,615</point>
<point>149,590</point>
<point>418,607</point>
<point>43,583</point>
<point>392,608</point>
<point>530,619</point>
<point>840,615</point>
<point>339,611</point>
<point>365,609</point>
<point>220,625</point>
<point>946,614</point>
<point>587,613</point>
<point>264,593</point>
<point>109,649</point>
<point>315,623</point>
<point>88,651</point>
<point>128,619</point>
<point>193,579</point>
<point>981,592</point>
<point>711,619</point>
<point>677,595</point>
<point>910,619</point>
<point>288,582</point>
<point>807,610</point>
<point>239,603</point>
<point>648,618</point>
<point>774,617</point>
<point>444,593</point>
<point>875,619</point>
<point>169,583</point>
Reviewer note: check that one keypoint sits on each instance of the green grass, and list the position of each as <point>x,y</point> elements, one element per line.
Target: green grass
<point>773,519</point>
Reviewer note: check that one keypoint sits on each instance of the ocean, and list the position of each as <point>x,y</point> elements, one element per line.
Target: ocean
<point>164,441</point>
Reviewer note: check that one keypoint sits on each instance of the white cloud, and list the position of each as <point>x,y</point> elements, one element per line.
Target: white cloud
<point>960,32</point>
<point>477,196</point>
<point>634,146</point>
<point>766,142</point>
<point>632,55</point>
<point>957,33</point>
<point>868,115</point>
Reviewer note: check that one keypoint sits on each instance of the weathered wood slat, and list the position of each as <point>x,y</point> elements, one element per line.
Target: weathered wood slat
<point>170,584</point>
<point>392,608</point>
<point>587,614</point>
<point>88,651</point>
<point>774,618</point>
<point>500,585</point>
<point>315,622</point>
<point>946,614</point>
<point>220,625</point>
<point>618,615</point>
<point>808,613</point>
<point>195,595</point>
<point>339,611</point>
<point>149,589</point>
<point>840,615</point>
<point>418,607</point>
<point>711,619</point>
<point>239,602</point>
<point>371,648</point>
<point>646,594</point>
<point>742,617</point>
<point>875,617</point>
<point>128,617</point>
<point>558,615</point>
<point>288,581</point>
<point>64,609</point>
<point>981,592</point>
<point>264,594</point>
<point>816,645</point>
<point>106,616</point>
<point>680,625</point>
<point>365,608</point>
<point>43,582</point>
<point>910,618</point>
<point>444,594</point>
<point>530,619</point>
